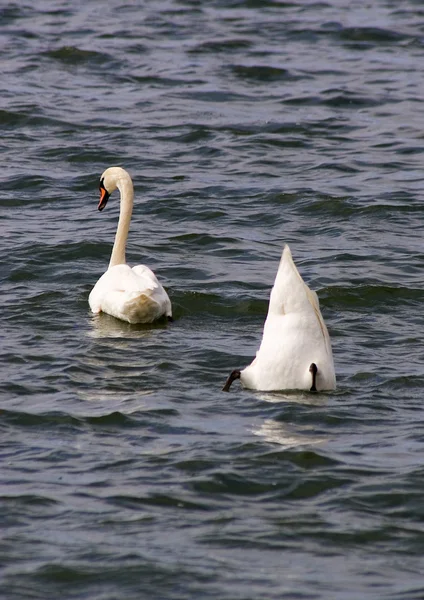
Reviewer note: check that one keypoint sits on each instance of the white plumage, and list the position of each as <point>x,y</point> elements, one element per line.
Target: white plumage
<point>130,294</point>
<point>294,339</point>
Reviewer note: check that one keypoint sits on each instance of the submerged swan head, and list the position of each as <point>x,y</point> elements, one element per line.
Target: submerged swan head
<point>295,351</point>
<point>112,178</point>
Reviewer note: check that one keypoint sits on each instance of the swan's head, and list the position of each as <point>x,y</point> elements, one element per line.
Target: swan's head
<point>109,181</point>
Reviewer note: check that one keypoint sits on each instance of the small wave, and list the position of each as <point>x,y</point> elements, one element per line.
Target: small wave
<point>29,500</point>
<point>71,55</point>
<point>378,296</point>
<point>263,73</point>
<point>222,45</point>
<point>376,35</point>
<point>164,501</point>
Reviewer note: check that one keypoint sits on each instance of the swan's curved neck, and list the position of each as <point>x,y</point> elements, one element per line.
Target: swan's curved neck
<point>126,190</point>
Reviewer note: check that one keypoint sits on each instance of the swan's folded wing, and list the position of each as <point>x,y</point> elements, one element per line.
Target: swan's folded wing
<point>147,279</point>
<point>313,299</point>
<point>121,278</point>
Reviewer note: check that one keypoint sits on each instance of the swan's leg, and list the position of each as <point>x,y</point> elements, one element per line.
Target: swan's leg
<point>170,319</point>
<point>313,369</point>
<point>233,375</point>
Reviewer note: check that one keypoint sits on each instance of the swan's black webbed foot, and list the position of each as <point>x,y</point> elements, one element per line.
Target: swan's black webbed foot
<point>313,369</point>
<point>170,319</point>
<point>233,375</point>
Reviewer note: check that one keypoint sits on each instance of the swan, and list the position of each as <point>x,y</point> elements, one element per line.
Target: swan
<point>295,352</point>
<point>133,295</point>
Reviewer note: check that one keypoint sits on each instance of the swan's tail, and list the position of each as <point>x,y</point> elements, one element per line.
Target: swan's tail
<point>135,307</point>
<point>291,294</point>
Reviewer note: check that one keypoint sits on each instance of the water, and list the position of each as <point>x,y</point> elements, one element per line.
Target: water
<point>126,472</point>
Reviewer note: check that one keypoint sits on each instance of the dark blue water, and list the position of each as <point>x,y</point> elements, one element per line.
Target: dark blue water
<point>125,472</point>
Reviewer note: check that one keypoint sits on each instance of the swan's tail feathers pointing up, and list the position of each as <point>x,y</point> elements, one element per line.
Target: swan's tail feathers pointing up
<point>289,288</point>
<point>290,294</point>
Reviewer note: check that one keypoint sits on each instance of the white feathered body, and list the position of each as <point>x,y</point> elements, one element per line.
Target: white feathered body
<point>294,337</point>
<point>130,294</point>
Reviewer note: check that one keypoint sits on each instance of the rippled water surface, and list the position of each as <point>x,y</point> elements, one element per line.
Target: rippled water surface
<point>126,473</point>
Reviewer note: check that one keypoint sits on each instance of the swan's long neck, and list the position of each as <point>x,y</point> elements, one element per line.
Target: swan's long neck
<point>126,190</point>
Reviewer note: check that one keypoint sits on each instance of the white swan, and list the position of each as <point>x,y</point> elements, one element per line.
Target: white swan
<point>295,353</point>
<point>133,295</point>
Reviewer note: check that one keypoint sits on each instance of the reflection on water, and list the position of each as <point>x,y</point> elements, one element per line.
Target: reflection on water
<point>298,397</point>
<point>123,403</point>
<point>283,434</point>
<point>105,326</point>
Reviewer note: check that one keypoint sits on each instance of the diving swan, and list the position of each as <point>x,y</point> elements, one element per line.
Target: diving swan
<point>133,295</point>
<point>295,352</point>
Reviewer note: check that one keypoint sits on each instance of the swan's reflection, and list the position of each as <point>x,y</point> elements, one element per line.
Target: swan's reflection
<point>105,326</point>
<point>310,398</point>
<point>287,436</point>
<point>108,370</point>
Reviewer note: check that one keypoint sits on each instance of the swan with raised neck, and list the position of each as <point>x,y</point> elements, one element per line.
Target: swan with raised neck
<point>112,179</point>
<point>134,295</point>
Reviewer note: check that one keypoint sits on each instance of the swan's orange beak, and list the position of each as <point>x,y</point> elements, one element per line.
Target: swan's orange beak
<point>104,197</point>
